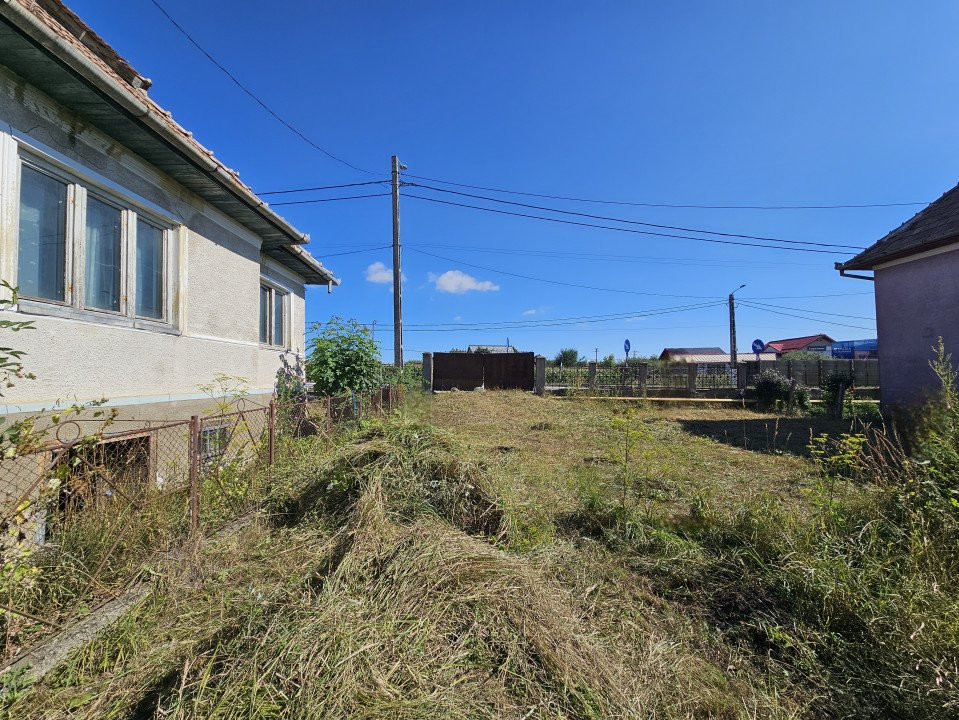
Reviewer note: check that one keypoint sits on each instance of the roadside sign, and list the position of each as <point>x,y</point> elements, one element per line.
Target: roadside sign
<point>758,346</point>
<point>626,347</point>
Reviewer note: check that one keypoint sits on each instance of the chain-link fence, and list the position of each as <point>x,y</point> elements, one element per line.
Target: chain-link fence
<point>83,514</point>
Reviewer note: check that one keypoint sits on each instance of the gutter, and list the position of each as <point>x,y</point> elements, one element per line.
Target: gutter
<point>314,264</point>
<point>102,80</point>
<point>842,273</point>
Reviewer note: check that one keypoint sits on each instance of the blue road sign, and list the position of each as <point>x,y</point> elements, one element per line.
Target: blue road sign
<point>626,347</point>
<point>758,346</point>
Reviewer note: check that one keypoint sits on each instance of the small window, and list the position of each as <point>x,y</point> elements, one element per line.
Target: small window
<point>213,445</point>
<point>272,316</point>
<point>264,314</point>
<point>41,263</point>
<point>149,271</point>
<point>279,300</point>
<point>102,278</point>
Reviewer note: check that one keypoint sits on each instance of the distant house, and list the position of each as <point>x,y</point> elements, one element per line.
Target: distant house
<point>916,273</point>
<point>695,354</point>
<point>821,344</point>
<point>491,349</point>
<point>856,349</point>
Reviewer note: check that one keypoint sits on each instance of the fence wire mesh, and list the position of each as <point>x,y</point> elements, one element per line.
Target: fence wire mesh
<point>83,514</point>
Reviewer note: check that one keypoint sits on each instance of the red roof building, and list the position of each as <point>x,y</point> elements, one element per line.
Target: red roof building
<point>811,343</point>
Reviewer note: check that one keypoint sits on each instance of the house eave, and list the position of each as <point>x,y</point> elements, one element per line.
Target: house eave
<point>58,65</point>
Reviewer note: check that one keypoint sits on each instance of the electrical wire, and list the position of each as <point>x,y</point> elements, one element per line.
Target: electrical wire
<point>323,200</point>
<point>633,222</point>
<point>559,282</point>
<point>253,95</point>
<point>818,312</point>
<point>667,205</point>
<point>354,252</point>
<point>802,317</point>
<point>322,187</point>
<point>622,229</point>
<point>652,259</point>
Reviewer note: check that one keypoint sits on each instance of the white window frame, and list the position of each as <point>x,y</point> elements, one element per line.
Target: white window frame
<point>79,189</point>
<point>274,288</point>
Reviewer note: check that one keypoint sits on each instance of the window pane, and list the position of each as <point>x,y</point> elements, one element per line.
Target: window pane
<point>264,314</point>
<point>102,278</point>
<point>278,321</point>
<point>42,249</point>
<point>149,271</point>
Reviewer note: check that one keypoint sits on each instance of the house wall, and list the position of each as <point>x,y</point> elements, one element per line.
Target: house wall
<point>215,265</point>
<point>916,302</point>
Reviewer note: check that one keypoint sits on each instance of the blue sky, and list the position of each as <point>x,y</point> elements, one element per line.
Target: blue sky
<point>748,103</point>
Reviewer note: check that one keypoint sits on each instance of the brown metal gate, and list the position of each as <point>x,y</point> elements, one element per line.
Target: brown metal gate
<point>494,371</point>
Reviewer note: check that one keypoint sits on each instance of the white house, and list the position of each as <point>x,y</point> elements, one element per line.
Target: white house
<point>146,265</point>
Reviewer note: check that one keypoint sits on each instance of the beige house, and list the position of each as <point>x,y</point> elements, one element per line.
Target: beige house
<point>146,265</point>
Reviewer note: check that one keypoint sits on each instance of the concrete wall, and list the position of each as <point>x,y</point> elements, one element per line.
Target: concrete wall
<point>916,302</point>
<point>215,266</point>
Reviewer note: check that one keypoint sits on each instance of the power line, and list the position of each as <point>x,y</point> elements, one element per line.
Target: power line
<point>653,259</point>
<point>517,325</point>
<point>354,252</point>
<point>323,187</point>
<point>622,229</point>
<point>669,205</point>
<point>802,317</point>
<point>818,312</point>
<point>323,200</point>
<point>559,282</point>
<point>635,222</point>
<point>253,95</point>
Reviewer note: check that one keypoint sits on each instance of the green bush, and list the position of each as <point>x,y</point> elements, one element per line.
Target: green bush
<point>343,358</point>
<point>772,392</point>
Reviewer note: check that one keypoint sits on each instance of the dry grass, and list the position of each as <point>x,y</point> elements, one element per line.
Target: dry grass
<point>486,569</point>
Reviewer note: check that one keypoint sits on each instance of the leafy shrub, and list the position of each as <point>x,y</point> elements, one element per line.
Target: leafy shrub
<point>772,392</point>
<point>567,356</point>
<point>343,358</point>
<point>831,385</point>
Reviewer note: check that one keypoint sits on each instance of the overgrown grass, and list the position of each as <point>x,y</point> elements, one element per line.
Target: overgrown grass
<point>495,555</point>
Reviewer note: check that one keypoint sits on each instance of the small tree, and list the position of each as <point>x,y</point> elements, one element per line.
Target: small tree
<point>567,356</point>
<point>608,361</point>
<point>343,358</point>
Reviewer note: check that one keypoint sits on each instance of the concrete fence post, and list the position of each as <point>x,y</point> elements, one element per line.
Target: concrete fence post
<point>741,373</point>
<point>692,374</point>
<point>591,375</point>
<point>642,376</point>
<point>428,371</point>
<point>539,377</point>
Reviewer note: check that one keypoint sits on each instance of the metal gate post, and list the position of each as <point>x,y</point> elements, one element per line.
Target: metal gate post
<point>271,422</point>
<point>194,474</point>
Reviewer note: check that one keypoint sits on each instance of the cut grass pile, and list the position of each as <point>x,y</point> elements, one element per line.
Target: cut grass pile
<point>493,555</point>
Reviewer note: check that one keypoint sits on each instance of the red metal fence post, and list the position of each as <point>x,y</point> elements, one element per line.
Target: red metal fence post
<point>272,431</point>
<point>194,474</point>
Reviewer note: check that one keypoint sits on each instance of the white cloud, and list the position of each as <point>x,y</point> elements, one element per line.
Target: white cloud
<point>457,318</point>
<point>458,282</point>
<point>531,311</point>
<point>378,273</point>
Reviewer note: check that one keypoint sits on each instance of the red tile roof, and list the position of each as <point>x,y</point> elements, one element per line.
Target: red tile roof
<point>791,344</point>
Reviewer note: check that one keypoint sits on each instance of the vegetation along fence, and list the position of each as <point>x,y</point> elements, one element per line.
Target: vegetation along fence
<point>84,514</point>
<point>701,378</point>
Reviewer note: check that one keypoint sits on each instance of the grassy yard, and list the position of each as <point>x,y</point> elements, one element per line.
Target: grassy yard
<point>498,555</point>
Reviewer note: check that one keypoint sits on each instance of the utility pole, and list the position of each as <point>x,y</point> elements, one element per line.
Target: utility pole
<point>733,358</point>
<point>397,270</point>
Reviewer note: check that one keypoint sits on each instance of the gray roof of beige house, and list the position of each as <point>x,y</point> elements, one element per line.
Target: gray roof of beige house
<point>669,352</point>
<point>47,45</point>
<point>933,227</point>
